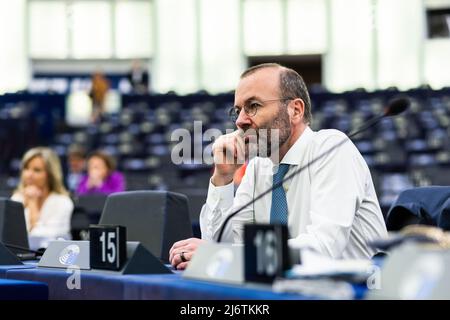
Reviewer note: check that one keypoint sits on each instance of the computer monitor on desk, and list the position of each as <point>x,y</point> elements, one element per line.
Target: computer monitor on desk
<point>13,230</point>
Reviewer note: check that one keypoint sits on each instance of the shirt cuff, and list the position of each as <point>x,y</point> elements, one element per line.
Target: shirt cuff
<point>221,196</point>
<point>304,241</point>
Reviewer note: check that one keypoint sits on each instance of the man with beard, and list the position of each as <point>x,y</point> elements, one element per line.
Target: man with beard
<point>330,206</point>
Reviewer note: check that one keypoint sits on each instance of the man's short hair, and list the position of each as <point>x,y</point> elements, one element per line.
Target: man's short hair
<point>292,85</point>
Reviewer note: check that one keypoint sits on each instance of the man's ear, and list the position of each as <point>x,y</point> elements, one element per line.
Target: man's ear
<point>298,110</point>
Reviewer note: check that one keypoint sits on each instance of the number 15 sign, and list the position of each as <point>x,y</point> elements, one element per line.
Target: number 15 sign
<point>107,247</point>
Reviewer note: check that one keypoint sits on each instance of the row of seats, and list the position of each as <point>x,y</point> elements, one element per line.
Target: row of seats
<point>424,129</point>
<point>410,150</point>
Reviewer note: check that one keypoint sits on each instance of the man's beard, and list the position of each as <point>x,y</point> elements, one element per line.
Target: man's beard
<point>267,139</point>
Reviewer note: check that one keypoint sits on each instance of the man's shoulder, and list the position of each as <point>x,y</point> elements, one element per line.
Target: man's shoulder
<point>325,135</point>
<point>333,141</point>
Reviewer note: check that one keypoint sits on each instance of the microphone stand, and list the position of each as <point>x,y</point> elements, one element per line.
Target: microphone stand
<point>395,107</point>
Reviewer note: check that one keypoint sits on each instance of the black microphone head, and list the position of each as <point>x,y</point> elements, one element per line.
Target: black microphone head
<point>397,106</point>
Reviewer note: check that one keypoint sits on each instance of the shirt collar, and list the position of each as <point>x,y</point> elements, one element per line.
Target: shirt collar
<point>292,156</point>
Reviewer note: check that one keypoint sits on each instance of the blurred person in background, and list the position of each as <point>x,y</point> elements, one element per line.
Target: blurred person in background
<point>101,176</point>
<point>48,208</point>
<point>99,89</point>
<point>76,160</point>
<point>138,78</point>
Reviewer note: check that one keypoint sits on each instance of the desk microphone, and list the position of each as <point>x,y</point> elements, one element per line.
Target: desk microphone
<point>395,107</point>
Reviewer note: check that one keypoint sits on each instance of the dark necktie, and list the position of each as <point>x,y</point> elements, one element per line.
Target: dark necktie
<point>279,209</point>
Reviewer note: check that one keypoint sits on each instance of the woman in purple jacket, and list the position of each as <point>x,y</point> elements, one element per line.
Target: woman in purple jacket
<point>101,176</point>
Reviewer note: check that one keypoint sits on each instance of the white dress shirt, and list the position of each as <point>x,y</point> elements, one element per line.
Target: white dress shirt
<point>332,204</point>
<point>54,221</point>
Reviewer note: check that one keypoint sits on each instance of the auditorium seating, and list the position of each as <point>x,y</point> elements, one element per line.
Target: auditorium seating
<point>403,152</point>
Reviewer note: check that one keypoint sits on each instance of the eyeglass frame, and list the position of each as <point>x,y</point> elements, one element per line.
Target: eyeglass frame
<point>235,116</point>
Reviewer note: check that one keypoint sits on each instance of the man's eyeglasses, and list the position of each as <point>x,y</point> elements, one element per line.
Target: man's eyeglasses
<point>251,107</point>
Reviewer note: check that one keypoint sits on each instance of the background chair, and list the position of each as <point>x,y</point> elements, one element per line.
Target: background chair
<point>88,209</point>
<point>423,205</point>
<point>157,219</point>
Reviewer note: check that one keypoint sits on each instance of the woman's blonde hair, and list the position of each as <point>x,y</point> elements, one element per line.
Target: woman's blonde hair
<point>52,167</point>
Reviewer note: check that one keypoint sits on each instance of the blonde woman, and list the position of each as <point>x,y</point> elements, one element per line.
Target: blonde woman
<point>48,208</point>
